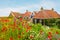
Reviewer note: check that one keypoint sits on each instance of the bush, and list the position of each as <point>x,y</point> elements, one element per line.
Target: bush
<point>50,22</point>
<point>58,23</point>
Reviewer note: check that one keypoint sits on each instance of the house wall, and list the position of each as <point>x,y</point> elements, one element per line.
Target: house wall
<point>41,21</point>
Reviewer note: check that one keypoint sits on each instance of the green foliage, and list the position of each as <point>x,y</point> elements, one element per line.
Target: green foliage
<point>37,31</point>
<point>58,23</point>
<point>51,22</point>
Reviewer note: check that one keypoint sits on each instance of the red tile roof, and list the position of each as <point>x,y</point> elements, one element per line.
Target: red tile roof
<point>27,13</point>
<point>16,14</point>
<point>46,14</point>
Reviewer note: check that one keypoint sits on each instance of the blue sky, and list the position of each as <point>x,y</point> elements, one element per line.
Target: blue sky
<point>6,6</point>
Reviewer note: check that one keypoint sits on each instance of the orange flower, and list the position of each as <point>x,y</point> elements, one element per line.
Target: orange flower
<point>14,24</point>
<point>41,32</point>
<point>31,36</point>
<point>23,23</point>
<point>6,20</point>
<point>49,33</point>
<point>19,36</point>
<point>49,37</point>
<point>20,19</point>
<point>11,38</point>
<point>57,32</point>
<point>27,30</point>
<point>4,29</point>
<point>22,32</point>
<point>19,28</point>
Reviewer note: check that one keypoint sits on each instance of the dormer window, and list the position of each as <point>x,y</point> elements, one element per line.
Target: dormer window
<point>25,17</point>
<point>19,17</point>
<point>32,15</point>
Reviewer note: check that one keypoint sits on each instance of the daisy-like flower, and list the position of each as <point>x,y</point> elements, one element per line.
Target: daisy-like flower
<point>11,38</point>
<point>19,36</point>
<point>49,37</point>
<point>31,36</point>
<point>4,29</point>
<point>57,32</point>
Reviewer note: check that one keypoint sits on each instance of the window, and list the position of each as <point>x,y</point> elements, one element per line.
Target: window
<point>25,17</point>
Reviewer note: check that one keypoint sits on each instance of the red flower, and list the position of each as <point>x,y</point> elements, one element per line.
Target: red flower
<point>14,23</point>
<point>57,32</point>
<point>6,20</point>
<point>41,32</point>
<point>4,29</point>
<point>22,32</point>
<point>31,36</point>
<point>11,38</point>
<point>19,36</point>
<point>49,37</point>
<point>27,30</point>
<point>20,19</point>
<point>19,28</point>
<point>49,33</point>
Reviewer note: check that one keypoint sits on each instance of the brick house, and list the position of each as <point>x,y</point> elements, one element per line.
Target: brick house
<point>44,14</point>
<point>26,16</point>
<point>36,17</point>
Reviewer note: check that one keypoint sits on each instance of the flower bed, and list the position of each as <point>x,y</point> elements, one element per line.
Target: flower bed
<point>25,31</point>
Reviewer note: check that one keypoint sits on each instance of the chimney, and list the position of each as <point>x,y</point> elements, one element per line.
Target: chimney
<point>26,10</point>
<point>41,8</point>
<point>52,9</point>
<point>35,12</point>
<point>11,12</point>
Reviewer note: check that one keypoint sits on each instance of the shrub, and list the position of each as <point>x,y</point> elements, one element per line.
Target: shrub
<point>58,23</point>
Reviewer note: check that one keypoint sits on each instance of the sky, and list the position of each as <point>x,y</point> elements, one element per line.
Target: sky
<point>6,6</point>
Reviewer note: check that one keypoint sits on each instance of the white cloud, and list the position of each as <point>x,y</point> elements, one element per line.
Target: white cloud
<point>44,3</point>
<point>48,4</point>
<point>6,11</point>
